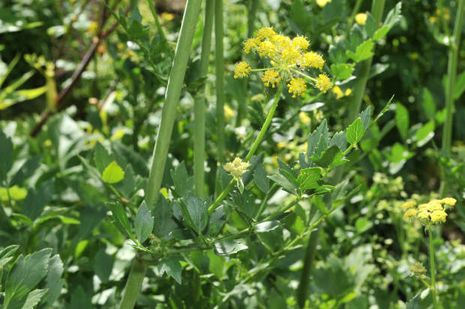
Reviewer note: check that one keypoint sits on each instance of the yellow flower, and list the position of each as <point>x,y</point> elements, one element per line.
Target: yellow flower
<point>348,92</point>
<point>322,3</point>
<point>423,215</point>
<point>450,201</point>
<point>434,206</point>
<point>228,112</point>
<point>361,18</point>
<point>418,269</point>
<point>408,204</point>
<point>410,213</point>
<point>312,60</point>
<point>237,167</point>
<point>290,55</point>
<point>266,49</point>
<point>303,117</point>
<point>250,45</point>
<point>423,206</point>
<point>242,70</point>
<point>438,216</point>
<point>271,78</point>
<point>323,83</point>
<point>297,87</point>
<point>300,42</point>
<point>338,92</point>
<point>281,41</point>
<point>265,33</point>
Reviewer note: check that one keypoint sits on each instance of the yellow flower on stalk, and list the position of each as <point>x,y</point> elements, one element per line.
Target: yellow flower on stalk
<point>250,45</point>
<point>242,69</point>
<point>338,92</point>
<point>322,3</point>
<point>361,19</point>
<point>266,49</point>
<point>297,87</point>
<point>237,167</point>
<point>323,83</point>
<point>449,201</point>
<point>271,78</point>
<point>312,60</point>
<point>265,33</point>
<point>290,55</point>
<point>438,216</point>
<point>408,204</point>
<point>410,213</point>
<point>301,43</point>
<point>303,117</point>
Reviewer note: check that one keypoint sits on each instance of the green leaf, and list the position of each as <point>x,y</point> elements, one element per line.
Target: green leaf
<point>54,281</point>
<point>6,149</point>
<point>355,132</point>
<point>342,71</point>
<point>318,141</point>
<point>459,86</point>
<point>197,213</point>
<point>143,223</point>
<point>425,133</point>
<point>33,298</point>
<point>402,120</point>
<point>392,18</point>
<point>113,173</point>
<point>172,268</point>
<point>428,104</point>
<point>230,246</point>
<point>183,184</point>
<point>260,178</point>
<point>120,218</point>
<point>267,226</point>
<point>26,275</point>
<point>363,51</point>
<point>103,265</point>
<point>163,219</point>
<point>308,178</point>
<point>14,193</point>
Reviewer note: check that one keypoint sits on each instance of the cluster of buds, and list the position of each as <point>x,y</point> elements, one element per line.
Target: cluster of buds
<point>287,61</point>
<point>236,168</point>
<point>433,212</point>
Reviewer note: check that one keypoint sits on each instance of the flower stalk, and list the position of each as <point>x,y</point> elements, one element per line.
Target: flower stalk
<point>377,10</point>
<point>432,265</point>
<point>253,149</point>
<point>450,89</point>
<point>160,152</point>
<point>219,71</point>
<point>200,103</point>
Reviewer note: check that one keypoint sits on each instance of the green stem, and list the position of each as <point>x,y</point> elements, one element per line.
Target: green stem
<point>432,266</point>
<point>219,66</point>
<point>173,93</point>
<point>253,149</point>
<point>160,152</point>
<point>304,283</point>
<point>377,10</point>
<point>199,104</point>
<point>134,284</point>
<point>450,88</point>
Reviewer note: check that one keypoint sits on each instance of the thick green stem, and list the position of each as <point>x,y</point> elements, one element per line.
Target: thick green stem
<point>432,266</point>
<point>199,104</point>
<point>173,93</point>
<point>302,289</point>
<point>450,88</point>
<point>219,66</point>
<point>377,10</point>
<point>134,284</point>
<point>253,149</point>
<point>160,152</point>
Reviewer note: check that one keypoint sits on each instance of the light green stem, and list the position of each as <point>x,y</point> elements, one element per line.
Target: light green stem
<point>160,152</point>
<point>432,265</point>
<point>134,284</point>
<point>253,149</point>
<point>377,10</point>
<point>304,283</point>
<point>173,93</point>
<point>199,104</point>
<point>450,89</point>
<point>219,66</point>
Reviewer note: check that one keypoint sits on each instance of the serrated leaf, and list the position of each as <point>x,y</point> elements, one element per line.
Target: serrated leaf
<point>54,281</point>
<point>355,132</point>
<point>342,71</point>
<point>363,51</point>
<point>172,268</point>
<point>230,247</point>
<point>196,213</point>
<point>113,173</point>
<point>318,141</point>
<point>33,298</point>
<point>143,223</point>
<point>308,178</point>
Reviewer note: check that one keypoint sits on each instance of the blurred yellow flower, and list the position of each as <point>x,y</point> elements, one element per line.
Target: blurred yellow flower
<point>237,167</point>
<point>242,69</point>
<point>322,3</point>
<point>271,78</point>
<point>361,18</point>
<point>297,87</point>
<point>323,83</point>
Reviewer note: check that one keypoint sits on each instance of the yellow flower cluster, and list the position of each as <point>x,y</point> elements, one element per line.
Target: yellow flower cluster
<point>237,167</point>
<point>287,59</point>
<point>339,93</point>
<point>433,212</point>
